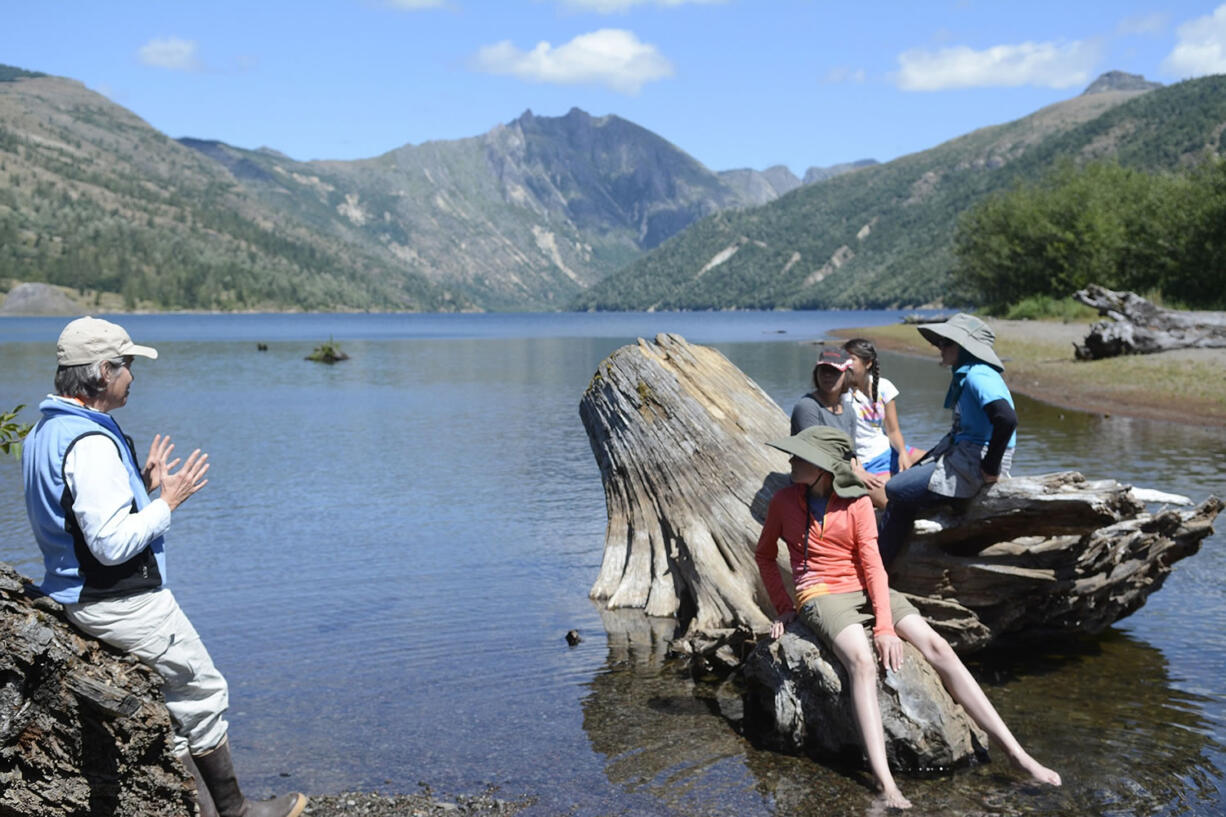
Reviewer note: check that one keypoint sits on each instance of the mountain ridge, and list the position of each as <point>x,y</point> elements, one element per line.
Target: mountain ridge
<point>881,237</point>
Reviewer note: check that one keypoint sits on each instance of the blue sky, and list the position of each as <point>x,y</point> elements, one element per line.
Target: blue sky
<point>735,83</point>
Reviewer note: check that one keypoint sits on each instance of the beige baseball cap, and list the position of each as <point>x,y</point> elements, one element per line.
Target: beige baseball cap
<point>89,339</point>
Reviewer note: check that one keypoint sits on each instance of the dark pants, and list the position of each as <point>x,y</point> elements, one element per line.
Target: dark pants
<point>908,494</point>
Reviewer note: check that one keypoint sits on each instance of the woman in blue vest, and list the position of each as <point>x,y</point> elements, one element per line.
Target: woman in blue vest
<point>977,451</point>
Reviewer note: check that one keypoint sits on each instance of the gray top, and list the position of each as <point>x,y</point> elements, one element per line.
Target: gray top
<point>809,412</point>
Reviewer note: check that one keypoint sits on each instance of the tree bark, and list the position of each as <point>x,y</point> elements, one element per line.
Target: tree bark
<point>679,433</point>
<point>83,729</point>
<point>1139,327</point>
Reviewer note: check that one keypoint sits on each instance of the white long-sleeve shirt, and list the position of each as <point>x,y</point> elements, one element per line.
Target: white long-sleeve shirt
<point>103,502</point>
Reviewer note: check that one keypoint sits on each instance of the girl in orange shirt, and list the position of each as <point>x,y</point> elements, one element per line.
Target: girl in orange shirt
<point>826,519</point>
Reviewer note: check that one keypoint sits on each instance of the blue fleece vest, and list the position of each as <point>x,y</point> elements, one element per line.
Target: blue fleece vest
<point>72,572</point>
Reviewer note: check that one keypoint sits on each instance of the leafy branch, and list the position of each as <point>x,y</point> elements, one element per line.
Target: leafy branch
<point>12,432</point>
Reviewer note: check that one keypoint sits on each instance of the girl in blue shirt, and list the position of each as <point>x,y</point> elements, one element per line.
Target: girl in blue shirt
<point>978,449</point>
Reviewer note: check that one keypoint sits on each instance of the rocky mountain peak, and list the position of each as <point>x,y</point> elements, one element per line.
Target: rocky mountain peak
<point>1120,81</point>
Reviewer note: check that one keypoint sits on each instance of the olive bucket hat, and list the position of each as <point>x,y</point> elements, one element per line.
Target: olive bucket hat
<point>967,331</point>
<point>830,450</point>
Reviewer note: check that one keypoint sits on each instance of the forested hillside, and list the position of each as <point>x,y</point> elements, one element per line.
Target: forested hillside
<point>883,235</point>
<point>523,217</point>
<point>93,198</point>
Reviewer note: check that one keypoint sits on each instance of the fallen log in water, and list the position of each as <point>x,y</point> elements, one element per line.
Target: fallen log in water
<point>679,433</point>
<point>83,729</point>
<point>1139,327</point>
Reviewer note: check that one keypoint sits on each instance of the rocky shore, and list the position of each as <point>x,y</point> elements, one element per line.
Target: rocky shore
<point>425,804</point>
<point>1183,386</point>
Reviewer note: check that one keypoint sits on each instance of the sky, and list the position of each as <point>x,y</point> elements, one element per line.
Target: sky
<point>734,83</point>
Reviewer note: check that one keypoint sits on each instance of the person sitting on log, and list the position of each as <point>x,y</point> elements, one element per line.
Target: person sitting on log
<point>826,520</point>
<point>829,404</point>
<point>101,536</point>
<point>880,448</point>
<point>977,451</point>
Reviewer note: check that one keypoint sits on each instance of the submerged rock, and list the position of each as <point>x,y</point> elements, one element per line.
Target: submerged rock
<point>799,699</point>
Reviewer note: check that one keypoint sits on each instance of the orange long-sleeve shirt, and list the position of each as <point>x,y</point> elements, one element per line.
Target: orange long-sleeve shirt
<point>842,553</point>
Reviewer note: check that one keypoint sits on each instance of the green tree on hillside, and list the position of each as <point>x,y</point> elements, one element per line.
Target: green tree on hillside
<point>1102,223</point>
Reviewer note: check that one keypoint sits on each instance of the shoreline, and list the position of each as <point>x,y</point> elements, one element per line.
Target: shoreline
<point>1182,386</point>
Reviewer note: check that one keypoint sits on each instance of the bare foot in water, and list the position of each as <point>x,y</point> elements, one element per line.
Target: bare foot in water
<point>1037,770</point>
<point>894,799</point>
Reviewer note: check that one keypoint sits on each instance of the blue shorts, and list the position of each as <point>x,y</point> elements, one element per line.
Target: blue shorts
<point>886,462</point>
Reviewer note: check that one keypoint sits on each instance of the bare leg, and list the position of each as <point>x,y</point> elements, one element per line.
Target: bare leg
<point>856,653</point>
<point>966,691</point>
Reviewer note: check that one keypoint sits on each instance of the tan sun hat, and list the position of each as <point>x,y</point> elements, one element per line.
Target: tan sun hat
<point>89,339</point>
<point>967,331</point>
<point>830,450</point>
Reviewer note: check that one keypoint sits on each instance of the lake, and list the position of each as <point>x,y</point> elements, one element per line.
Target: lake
<point>390,551</point>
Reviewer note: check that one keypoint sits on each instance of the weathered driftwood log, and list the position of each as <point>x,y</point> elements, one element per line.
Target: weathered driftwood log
<point>679,433</point>
<point>1056,580</point>
<point>1139,327</point>
<point>83,729</point>
<point>799,699</point>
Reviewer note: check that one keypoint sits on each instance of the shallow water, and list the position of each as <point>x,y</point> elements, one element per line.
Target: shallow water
<point>390,550</point>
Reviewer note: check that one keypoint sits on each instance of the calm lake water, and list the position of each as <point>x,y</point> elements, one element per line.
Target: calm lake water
<point>390,550</point>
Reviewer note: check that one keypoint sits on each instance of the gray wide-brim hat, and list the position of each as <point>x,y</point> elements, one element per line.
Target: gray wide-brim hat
<point>967,331</point>
<point>830,450</point>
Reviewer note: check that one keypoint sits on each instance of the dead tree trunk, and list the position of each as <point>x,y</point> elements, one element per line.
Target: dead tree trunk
<point>1137,327</point>
<point>83,729</point>
<point>679,433</point>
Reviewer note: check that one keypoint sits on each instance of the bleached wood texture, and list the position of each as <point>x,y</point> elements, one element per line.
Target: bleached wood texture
<point>679,433</point>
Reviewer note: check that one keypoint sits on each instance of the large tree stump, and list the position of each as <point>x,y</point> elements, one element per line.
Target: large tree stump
<point>1139,327</point>
<point>83,729</point>
<point>679,433</point>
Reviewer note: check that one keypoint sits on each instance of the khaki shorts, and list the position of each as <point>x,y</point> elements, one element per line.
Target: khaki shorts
<point>832,613</point>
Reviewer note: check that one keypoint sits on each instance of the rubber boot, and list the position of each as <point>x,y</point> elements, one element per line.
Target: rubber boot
<point>218,771</point>
<point>204,800</point>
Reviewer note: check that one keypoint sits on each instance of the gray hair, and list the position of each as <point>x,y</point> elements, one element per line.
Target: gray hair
<point>86,380</point>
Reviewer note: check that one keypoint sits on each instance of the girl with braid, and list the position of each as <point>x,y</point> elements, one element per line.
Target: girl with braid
<point>880,448</point>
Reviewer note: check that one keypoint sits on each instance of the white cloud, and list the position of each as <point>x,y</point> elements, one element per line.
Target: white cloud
<point>171,53</point>
<point>618,6</point>
<point>1142,25</point>
<point>1050,65</point>
<point>1201,48</point>
<point>842,74</point>
<point>611,57</point>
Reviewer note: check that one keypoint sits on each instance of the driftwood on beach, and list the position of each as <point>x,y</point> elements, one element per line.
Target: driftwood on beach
<point>83,729</point>
<point>1138,327</point>
<point>678,432</point>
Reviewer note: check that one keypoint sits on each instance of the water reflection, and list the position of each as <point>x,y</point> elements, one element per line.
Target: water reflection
<point>1104,712</point>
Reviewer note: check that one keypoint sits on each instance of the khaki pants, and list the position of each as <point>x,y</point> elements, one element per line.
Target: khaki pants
<point>151,627</point>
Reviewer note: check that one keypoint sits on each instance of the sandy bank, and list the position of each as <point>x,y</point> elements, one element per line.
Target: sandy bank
<point>1184,386</point>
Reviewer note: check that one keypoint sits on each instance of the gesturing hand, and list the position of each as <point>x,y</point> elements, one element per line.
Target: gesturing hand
<point>159,450</point>
<point>178,486</point>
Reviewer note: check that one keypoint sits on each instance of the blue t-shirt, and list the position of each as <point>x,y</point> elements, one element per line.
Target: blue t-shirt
<point>981,384</point>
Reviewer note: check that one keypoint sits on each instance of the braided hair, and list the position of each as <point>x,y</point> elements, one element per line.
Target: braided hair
<point>867,352</point>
